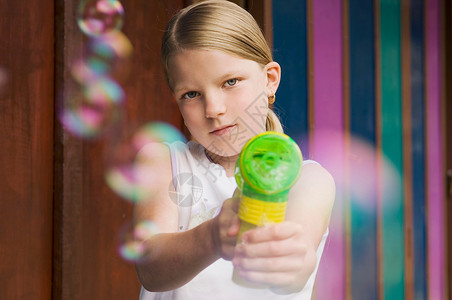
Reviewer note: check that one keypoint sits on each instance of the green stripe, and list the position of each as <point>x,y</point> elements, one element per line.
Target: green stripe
<point>391,138</point>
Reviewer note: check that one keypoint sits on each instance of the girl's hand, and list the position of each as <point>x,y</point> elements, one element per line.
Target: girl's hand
<point>277,255</point>
<point>226,227</point>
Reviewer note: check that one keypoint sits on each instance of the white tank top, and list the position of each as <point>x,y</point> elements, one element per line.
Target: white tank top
<point>201,187</point>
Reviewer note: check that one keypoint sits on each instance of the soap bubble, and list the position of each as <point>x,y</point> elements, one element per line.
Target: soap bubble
<point>97,17</point>
<point>111,46</point>
<point>87,119</point>
<point>106,55</point>
<point>103,91</point>
<point>357,166</point>
<point>131,240</point>
<point>135,168</point>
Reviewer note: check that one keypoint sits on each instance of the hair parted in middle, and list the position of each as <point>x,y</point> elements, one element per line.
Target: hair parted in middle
<point>218,25</point>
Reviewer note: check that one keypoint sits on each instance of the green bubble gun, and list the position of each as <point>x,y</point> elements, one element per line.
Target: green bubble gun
<point>268,166</point>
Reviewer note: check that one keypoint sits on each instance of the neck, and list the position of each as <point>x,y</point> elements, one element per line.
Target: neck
<point>227,162</point>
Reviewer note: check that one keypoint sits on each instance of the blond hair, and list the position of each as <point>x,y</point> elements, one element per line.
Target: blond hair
<point>219,25</point>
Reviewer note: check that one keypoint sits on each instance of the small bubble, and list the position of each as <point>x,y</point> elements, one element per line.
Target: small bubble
<point>105,56</point>
<point>87,119</point>
<point>104,91</point>
<point>97,17</point>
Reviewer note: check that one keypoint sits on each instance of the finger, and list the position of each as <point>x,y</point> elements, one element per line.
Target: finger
<point>271,279</point>
<point>271,232</point>
<point>234,226</point>
<point>276,248</point>
<point>271,265</point>
<point>232,204</point>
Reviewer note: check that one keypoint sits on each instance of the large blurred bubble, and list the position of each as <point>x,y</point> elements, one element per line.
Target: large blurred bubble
<point>107,55</point>
<point>135,168</point>
<point>89,117</point>
<point>360,171</point>
<point>97,17</point>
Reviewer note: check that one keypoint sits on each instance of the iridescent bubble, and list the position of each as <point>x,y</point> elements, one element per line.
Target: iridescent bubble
<point>103,91</point>
<point>131,240</point>
<point>110,46</point>
<point>97,17</point>
<point>157,131</point>
<point>135,167</point>
<point>357,167</point>
<point>106,55</point>
<point>86,119</point>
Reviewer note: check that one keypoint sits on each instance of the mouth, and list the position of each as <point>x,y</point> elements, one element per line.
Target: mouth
<point>223,130</point>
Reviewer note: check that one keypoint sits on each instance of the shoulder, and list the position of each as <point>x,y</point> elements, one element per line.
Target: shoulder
<point>153,151</point>
<point>314,182</point>
<point>314,174</point>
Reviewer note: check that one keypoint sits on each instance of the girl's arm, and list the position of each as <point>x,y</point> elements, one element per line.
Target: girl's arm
<point>283,255</point>
<point>174,258</point>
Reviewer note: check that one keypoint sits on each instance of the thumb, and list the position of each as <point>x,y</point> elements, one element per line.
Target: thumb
<point>234,226</point>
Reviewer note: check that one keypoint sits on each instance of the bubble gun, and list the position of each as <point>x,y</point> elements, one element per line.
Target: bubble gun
<point>268,166</point>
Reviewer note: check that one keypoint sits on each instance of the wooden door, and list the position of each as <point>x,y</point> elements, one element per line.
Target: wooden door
<point>26,151</point>
<point>88,215</point>
<point>447,100</point>
<point>59,221</point>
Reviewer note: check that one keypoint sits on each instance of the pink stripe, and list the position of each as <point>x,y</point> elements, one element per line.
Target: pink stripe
<point>329,135</point>
<point>434,159</point>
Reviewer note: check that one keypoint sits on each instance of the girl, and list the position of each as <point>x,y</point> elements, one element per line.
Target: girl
<point>221,72</point>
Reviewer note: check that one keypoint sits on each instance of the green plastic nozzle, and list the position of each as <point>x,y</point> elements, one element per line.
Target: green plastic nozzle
<point>268,167</point>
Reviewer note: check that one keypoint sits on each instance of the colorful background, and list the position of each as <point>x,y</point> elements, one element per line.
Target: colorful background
<point>362,80</point>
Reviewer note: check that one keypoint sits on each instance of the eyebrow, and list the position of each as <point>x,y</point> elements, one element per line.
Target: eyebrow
<point>228,75</point>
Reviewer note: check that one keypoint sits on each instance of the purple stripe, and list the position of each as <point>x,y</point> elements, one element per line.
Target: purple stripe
<point>329,135</point>
<point>434,155</point>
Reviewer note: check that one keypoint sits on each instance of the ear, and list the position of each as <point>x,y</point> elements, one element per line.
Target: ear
<point>273,72</point>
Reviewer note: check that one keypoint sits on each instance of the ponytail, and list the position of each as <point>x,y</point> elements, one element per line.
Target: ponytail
<point>272,123</point>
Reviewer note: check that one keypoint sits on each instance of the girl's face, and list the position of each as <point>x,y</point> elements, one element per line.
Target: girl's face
<point>222,98</point>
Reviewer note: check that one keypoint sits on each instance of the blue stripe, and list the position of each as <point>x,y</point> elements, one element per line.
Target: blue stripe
<point>364,263</point>
<point>418,148</point>
<point>290,51</point>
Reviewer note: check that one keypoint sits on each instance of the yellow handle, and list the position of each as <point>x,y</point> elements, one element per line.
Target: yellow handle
<point>261,213</point>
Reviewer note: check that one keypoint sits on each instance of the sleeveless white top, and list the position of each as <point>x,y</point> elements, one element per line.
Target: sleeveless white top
<point>201,187</point>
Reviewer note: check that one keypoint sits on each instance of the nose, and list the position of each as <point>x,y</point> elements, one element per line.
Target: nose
<point>215,105</point>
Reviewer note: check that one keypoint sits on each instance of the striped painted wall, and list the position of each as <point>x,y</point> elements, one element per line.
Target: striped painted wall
<point>360,93</point>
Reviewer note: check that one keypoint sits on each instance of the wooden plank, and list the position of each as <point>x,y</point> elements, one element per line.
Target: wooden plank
<point>346,65</point>
<point>378,139</point>
<point>407,146</point>
<point>363,212</point>
<point>434,169</point>
<point>26,138</point>
<point>290,51</point>
<point>392,149</point>
<point>327,139</point>
<point>262,13</point>
<point>447,134</point>
<point>418,149</point>
<point>88,214</point>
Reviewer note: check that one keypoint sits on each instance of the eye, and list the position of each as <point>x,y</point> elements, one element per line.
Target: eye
<point>231,82</point>
<point>190,95</point>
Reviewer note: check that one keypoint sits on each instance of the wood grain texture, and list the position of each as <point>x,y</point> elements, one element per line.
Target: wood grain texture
<point>26,162</point>
<point>88,215</point>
